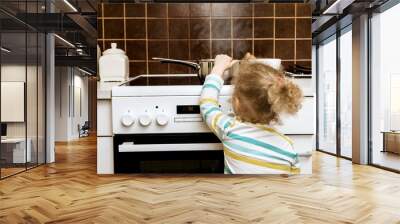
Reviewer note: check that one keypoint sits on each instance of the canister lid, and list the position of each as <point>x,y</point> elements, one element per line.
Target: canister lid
<point>114,50</point>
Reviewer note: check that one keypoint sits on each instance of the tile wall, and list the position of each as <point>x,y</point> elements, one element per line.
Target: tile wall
<point>192,31</point>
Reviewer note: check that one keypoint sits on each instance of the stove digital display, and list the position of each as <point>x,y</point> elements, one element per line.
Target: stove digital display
<point>188,109</point>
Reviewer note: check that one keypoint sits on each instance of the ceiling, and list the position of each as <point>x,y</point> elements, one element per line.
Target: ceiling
<point>40,5</point>
<point>72,20</point>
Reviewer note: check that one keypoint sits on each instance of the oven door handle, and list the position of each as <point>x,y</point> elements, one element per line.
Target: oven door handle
<point>131,147</point>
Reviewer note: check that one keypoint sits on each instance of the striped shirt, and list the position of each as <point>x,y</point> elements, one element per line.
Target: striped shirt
<point>248,148</point>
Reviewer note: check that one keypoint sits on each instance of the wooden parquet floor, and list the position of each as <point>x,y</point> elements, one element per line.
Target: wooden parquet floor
<point>69,191</point>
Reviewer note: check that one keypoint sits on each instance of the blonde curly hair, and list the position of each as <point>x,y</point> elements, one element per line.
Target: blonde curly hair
<point>261,93</point>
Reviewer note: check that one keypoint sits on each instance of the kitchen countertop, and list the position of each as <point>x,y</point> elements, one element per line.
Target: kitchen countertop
<point>104,89</point>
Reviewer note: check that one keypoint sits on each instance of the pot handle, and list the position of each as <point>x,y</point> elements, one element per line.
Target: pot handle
<point>193,65</point>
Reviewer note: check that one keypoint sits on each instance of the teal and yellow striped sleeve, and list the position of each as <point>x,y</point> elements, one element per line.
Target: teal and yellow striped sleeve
<point>216,120</point>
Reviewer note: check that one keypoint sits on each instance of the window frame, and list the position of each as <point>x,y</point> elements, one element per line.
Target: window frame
<point>334,37</point>
<point>381,9</point>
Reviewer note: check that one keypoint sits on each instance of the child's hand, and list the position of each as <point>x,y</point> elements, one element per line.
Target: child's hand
<point>221,63</point>
<point>248,56</point>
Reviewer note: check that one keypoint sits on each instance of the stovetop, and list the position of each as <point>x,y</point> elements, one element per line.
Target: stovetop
<point>165,79</point>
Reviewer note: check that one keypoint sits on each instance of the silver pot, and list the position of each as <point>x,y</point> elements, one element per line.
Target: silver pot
<point>203,67</point>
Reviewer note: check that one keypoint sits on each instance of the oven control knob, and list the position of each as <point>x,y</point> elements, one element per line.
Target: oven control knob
<point>127,119</point>
<point>145,120</point>
<point>162,119</point>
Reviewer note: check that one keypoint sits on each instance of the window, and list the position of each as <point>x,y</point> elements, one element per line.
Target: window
<point>327,96</point>
<point>346,93</point>
<point>334,106</point>
<point>22,78</point>
<point>385,89</point>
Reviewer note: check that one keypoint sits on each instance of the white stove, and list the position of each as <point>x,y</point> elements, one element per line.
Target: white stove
<point>163,110</point>
<point>163,124</point>
<point>160,129</point>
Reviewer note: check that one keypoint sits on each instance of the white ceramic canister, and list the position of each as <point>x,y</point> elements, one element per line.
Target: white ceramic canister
<point>273,62</point>
<point>114,65</point>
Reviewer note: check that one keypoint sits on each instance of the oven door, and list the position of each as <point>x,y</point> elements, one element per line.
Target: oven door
<point>168,153</point>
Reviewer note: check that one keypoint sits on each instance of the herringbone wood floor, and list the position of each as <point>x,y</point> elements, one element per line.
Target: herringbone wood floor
<point>69,191</point>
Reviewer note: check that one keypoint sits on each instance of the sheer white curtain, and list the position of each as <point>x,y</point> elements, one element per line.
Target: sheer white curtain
<point>327,96</point>
<point>346,94</point>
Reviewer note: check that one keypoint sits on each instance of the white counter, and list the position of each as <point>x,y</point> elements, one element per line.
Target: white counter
<point>104,89</point>
<point>105,154</point>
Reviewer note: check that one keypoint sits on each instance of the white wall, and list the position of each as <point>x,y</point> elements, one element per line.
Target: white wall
<point>12,73</point>
<point>80,112</point>
<point>62,82</point>
<point>71,94</point>
<point>16,73</point>
<point>33,127</point>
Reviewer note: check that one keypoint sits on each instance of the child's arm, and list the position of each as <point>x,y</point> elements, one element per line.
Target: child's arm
<point>209,106</point>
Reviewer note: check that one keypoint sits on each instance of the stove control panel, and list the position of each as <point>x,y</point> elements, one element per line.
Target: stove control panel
<point>162,119</point>
<point>127,119</point>
<point>160,114</point>
<point>145,119</point>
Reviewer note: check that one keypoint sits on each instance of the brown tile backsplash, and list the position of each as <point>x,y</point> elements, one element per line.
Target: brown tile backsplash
<point>221,47</point>
<point>178,28</point>
<point>242,9</point>
<point>138,68</point>
<point>303,49</point>
<point>284,49</point>
<point>200,28</point>
<point>242,28</point>
<point>135,29</point>
<point>157,29</point>
<point>284,28</point>
<point>264,48</point>
<point>221,28</point>
<point>264,10</point>
<point>241,47</point>
<point>200,9</point>
<point>200,49</point>
<point>136,49</point>
<point>179,49</point>
<point>303,10</point>
<point>158,10</point>
<point>135,10</point>
<point>157,48</point>
<point>178,10</point>
<point>221,9</point>
<point>113,28</point>
<point>158,68</point>
<point>192,31</point>
<point>263,28</point>
<point>113,10</point>
<point>303,28</point>
<point>285,10</point>
<point>100,29</point>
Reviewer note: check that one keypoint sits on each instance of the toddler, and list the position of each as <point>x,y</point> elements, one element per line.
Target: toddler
<point>261,94</point>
